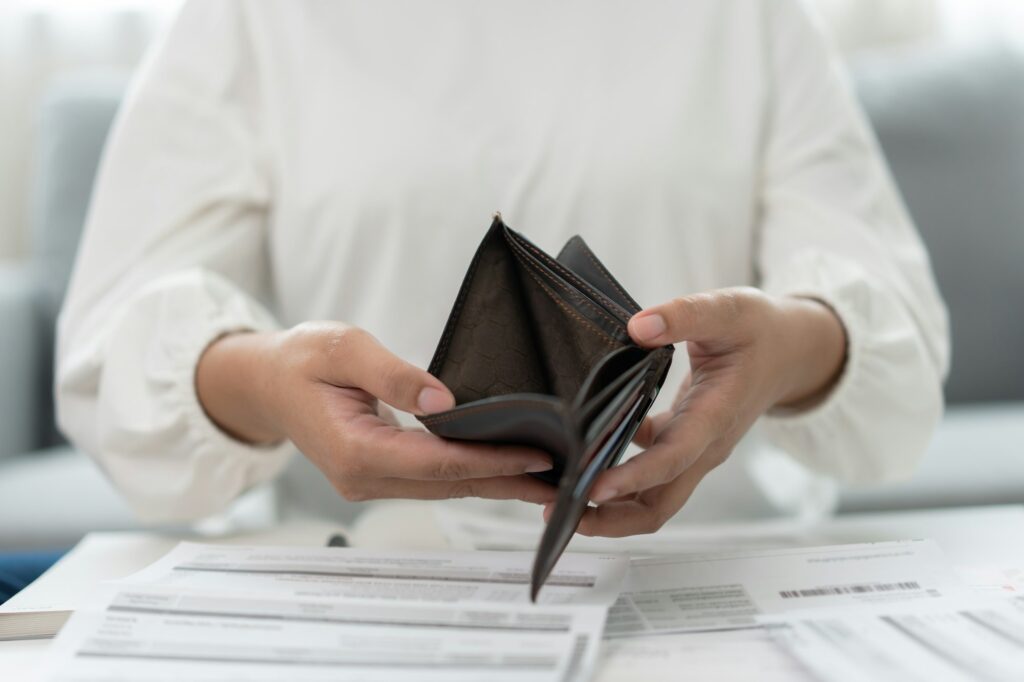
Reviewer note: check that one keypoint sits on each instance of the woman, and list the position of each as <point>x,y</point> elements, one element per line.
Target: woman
<point>281,162</point>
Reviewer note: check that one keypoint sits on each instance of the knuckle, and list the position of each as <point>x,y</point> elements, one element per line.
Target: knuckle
<point>731,304</point>
<point>710,425</point>
<point>449,470</point>
<point>355,467</point>
<point>394,380</point>
<point>461,489</point>
<point>667,468</point>
<point>353,490</point>
<point>654,520</point>
<point>351,457</point>
<point>730,423</point>
<point>690,310</point>
<point>680,308</point>
<point>342,341</point>
<point>300,347</point>
<point>716,458</point>
<point>747,303</point>
<point>661,518</point>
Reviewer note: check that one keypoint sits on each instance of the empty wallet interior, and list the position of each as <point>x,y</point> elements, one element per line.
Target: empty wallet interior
<point>525,324</point>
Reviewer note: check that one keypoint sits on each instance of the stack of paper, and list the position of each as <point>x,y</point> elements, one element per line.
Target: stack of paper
<point>878,611</point>
<point>219,612</point>
<point>961,641</point>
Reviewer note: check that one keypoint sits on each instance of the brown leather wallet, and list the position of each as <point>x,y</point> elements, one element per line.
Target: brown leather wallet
<point>536,353</point>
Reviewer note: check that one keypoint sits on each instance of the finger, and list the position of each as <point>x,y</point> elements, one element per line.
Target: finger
<point>371,448</point>
<point>682,441</point>
<point>645,513</point>
<point>700,317</point>
<point>357,359</point>
<point>524,488</point>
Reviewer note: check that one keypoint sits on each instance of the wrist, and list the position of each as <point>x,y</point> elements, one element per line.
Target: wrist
<point>234,383</point>
<point>815,348</point>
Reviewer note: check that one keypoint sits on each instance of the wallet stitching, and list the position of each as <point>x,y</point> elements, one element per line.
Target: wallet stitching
<point>561,285</point>
<point>608,339</point>
<point>568,274</point>
<point>608,276</point>
<point>442,418</point>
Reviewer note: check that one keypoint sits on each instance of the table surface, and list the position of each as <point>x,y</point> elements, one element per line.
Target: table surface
<point>969,536</point>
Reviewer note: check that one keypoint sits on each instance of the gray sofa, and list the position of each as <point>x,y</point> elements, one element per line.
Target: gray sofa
<point>951,124</point>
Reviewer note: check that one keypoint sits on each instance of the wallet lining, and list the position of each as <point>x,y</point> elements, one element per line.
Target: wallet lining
<point>491,349</point>
<point>532,339</point>
<point>572,349</point>
<point>599,310</point>
<point>537,272</point>
<point>610,305</point>
<point>609,279</point>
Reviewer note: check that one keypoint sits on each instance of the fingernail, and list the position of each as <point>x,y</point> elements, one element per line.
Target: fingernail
<point>609,494</point>
<point>537,467</point>
<point>433,400</point>
<point>647,327</point>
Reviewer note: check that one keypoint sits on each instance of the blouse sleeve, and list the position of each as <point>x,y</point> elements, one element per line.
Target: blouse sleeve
<point>832,227</point>
<point>172,257</point>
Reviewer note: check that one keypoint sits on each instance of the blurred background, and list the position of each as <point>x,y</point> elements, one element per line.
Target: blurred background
<point>942,82</point>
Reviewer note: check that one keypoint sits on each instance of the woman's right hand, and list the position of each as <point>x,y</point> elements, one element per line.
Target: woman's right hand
<point>318,384</point>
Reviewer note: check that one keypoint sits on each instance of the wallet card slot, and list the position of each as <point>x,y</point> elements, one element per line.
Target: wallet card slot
<point>573,293</point>
<point>590,412</point>
<point>607,448</point>
<point>599,318</point>
<point>588,290</point>
<point>608,370</point>
<point>577,257</point>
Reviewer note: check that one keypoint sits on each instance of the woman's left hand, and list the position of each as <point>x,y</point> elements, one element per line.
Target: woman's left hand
<point>748,352</point>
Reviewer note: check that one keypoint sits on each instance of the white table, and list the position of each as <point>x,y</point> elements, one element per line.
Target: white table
<point>969,536</point>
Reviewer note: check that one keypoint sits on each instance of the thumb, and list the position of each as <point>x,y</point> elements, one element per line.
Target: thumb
<point>698,317</point>
<point>365,363</point>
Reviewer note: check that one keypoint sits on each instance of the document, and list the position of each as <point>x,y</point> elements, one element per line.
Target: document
<point>209,612</point>
<point>163,633</point>
<point>733,590</point>
<point>411,575</point>
<point>985,535</point>
<point>700,656</point>
<point>957,642</point>
<point>464,530</point>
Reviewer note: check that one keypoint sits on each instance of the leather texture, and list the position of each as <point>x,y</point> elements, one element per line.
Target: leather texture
<point>536,353</point>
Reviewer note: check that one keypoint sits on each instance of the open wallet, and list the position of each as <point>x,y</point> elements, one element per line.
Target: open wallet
<point>536,353</point>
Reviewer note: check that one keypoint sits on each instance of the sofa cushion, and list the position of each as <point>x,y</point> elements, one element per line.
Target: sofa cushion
<point>952,127</point>
<point>73,124</point>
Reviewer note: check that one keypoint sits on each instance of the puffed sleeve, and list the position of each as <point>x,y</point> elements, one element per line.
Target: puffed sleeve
<point>833,227</point>
<point>173,256</point>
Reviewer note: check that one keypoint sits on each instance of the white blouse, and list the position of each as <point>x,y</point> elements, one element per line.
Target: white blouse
<point>286,160</point>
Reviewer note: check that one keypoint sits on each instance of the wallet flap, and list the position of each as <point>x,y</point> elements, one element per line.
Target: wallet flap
<point>578,257</point>
<point>532,420</point>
